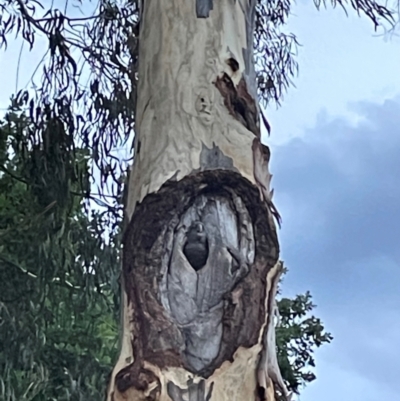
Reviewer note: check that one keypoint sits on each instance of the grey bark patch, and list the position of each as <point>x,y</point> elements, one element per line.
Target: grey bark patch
<point>248,52</point>
<point>261,156</point>
<point>203,8</point>
<point>173,305</point>
<point>214,158</point>
<point>195,296</point>
<point>194,391</point>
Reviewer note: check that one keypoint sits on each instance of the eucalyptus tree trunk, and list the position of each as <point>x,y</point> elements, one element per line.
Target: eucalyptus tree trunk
<point>200,266</point>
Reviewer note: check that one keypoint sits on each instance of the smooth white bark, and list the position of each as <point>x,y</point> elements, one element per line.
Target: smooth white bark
<point>183,117</point>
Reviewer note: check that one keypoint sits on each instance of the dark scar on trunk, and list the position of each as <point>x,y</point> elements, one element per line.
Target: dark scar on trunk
<point>233,64</point>
<point>239,102</point>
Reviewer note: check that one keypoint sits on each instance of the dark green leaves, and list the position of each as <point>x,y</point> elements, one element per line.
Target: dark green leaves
<point>298,334</point>
<point>59,269</point>
<point>88,80</point>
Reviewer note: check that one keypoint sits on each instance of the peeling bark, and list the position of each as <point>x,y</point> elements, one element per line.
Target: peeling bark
<point>200,252</point>
<point>268,373</point>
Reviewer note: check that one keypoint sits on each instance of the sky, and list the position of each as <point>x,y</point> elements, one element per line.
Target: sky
<point>335,158</point>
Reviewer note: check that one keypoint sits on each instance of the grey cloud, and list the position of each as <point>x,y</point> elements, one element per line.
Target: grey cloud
<point>338,189</point>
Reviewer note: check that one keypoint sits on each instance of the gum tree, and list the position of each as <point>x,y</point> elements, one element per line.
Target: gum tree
<point>200,252</point>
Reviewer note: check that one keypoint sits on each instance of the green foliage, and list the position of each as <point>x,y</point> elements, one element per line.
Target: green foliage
<point>58,277</point>
<point>297,335</point>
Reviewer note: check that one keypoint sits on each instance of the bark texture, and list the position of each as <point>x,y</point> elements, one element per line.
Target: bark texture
<point>200,266</point>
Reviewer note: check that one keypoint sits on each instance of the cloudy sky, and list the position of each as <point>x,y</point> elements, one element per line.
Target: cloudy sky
<point>336,166</point>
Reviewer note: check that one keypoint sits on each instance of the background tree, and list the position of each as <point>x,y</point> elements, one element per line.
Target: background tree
<point>58,275</point>
<point>105,40</point>
<point>297,335</point>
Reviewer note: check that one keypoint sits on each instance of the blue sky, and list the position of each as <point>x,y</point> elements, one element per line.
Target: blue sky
<point>338,190</point>
<point>335,159</point>
<point>336,165</point>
